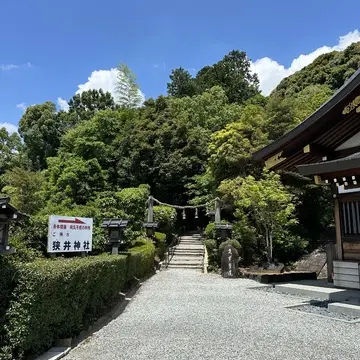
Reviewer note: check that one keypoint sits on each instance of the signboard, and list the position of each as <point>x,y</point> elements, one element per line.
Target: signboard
<point>69,234</point>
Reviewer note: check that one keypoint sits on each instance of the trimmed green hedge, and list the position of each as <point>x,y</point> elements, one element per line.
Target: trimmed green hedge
<point>7,284</point>
<point>160,244</point>
<point>141,260</point>
<point>59,298</point>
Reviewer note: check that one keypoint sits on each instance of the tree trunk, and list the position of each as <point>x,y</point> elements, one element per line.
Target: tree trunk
<point>270,247</point>
<point>267,244</point>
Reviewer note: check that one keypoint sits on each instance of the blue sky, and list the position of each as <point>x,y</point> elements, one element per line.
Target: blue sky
<point>48,48</point>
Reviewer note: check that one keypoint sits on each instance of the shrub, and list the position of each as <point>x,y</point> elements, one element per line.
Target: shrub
<point>232,242</point>
<point>59,298</point>
<point>212,251</point>
<point>7,283</point>
<point>210,244</point>
<point>165,217</point>
<point>160,239</point>
<point>209,231</point>
<point>141,260</point>
<point>288,247</point>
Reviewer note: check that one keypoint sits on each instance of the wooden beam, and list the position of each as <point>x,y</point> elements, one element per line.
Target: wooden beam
<point>317,149</point>
<point>274,160</point>
<point>339,253</point>
<point>319,181</point>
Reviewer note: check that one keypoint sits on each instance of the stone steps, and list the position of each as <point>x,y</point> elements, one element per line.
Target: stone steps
<point>188,254</point>
<point>196,254</point>
<point>187,265</point>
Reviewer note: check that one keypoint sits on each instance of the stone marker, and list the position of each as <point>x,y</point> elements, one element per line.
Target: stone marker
<point>229,262</point>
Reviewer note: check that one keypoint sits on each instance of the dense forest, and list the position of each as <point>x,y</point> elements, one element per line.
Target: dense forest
<point>104,156</point>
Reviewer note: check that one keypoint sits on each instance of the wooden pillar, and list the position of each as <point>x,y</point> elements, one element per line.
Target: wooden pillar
<point>330,257</point>
<point>339,254</point>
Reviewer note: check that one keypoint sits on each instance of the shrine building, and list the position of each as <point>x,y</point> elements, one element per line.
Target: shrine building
<point>326,147</point>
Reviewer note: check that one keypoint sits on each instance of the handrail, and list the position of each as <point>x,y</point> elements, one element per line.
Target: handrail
<point>169,253</point>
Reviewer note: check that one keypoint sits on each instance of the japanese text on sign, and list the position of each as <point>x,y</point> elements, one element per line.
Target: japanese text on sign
<point>69,234</point>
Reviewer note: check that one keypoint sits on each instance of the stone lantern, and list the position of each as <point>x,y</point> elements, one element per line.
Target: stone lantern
<point>7,214</point>
<point>150,226</point>
<point>115,233</point>
<point>224,230</point>
<point>211,215</point>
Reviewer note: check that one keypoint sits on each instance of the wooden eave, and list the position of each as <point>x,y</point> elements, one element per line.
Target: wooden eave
<point>317,136</point>
<point>348,165</point>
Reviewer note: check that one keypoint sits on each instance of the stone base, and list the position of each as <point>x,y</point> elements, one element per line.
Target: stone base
<point>268,278</point>
<point>347,309</point>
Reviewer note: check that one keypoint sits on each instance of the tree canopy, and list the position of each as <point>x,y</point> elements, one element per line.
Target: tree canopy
<point>232,74</point>
<point>104,156</point>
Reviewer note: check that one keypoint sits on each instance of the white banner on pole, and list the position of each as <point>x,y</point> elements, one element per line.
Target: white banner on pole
<point>69,234</point>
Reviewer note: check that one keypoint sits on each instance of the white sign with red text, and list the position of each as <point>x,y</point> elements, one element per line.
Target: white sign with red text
<point>69,234</point>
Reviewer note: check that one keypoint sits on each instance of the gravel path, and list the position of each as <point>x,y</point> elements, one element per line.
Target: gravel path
<point>184,314</point>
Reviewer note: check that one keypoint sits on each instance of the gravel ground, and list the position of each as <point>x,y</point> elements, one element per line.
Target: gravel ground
<point>183,314</point>
<point>319,309</point>
<point>324,312</point>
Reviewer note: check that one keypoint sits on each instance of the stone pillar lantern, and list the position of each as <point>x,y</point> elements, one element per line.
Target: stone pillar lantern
<point>115,233</point>
<point>150,229</point>
<point>224,230</point>
<point>7,214</point>
<point>211,215</point>
<point>150,226</point>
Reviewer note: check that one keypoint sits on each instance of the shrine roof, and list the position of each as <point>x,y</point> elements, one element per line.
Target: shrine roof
<point>327,128</point>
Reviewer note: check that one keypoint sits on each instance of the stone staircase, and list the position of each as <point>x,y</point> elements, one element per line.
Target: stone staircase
<point>189,253</point>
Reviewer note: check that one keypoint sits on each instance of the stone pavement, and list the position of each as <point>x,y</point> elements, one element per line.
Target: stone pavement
<point>184,314</point>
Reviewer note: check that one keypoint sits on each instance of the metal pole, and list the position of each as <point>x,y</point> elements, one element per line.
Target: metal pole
<point>150,217</point>
<point>217,211</point>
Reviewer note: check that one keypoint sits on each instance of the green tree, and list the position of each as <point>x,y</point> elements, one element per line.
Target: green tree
<point>10,150</point>
<point>209,111</point>
<point>129,94</point>
<point>266,201</point>
<point>41,128</point>
<point>106,137</point>
<point>181,83</point>
<point>233,74</point>
<point>25,189</point>
<point>331,69</point>
<point>89,102</point>
<point>230,149</point>
<point>309,100</point>
<point>73,179</point>
<point>283,114</point>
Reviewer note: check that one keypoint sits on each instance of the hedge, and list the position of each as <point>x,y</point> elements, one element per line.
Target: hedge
<point>160,244</point>
<point>59,298</point>
<point>141,260</point>
<point>7,284</point>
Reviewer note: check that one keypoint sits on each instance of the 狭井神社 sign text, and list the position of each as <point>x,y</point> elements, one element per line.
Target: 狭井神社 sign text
<point>69,234</point>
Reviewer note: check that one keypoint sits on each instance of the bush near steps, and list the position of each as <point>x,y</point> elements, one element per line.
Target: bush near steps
<point>53,299</point>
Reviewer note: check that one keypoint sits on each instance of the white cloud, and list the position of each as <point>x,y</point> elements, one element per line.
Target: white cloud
<point>7,67</point>
<point>11,128</point>
<point>21,106</point>
<point>63,104</point>
<point>270,72</point>
<point>102,79</point>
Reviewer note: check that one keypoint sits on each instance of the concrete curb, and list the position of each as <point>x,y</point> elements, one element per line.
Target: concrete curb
<point>291,307</point>
<point>56,353</point>
<point>205,260</point>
